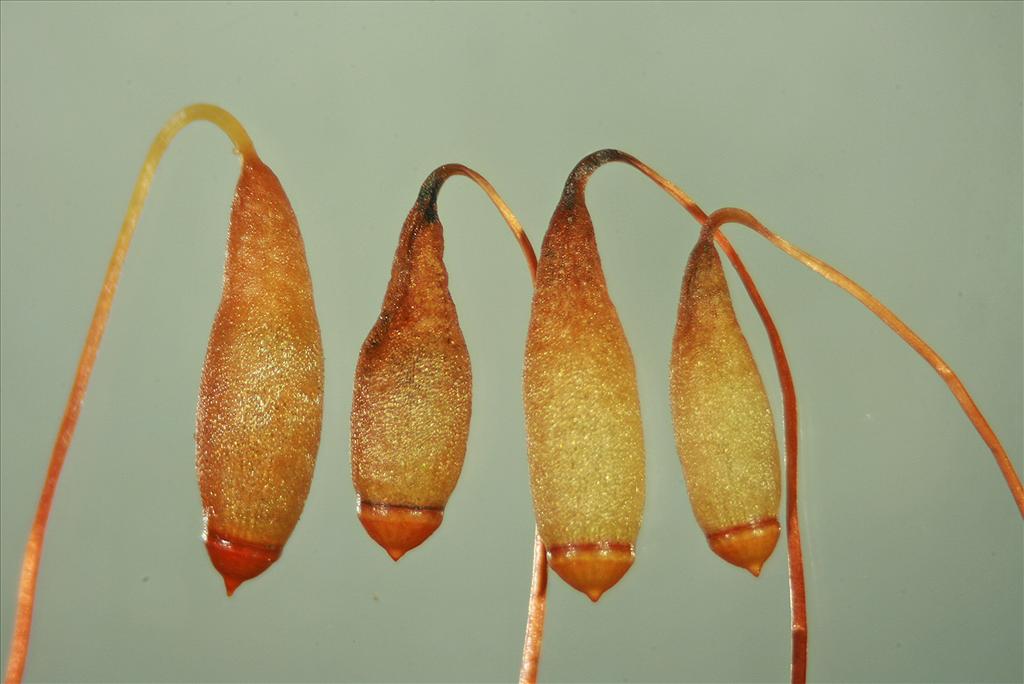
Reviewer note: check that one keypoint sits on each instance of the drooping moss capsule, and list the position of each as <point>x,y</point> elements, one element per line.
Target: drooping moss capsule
<point>724,430</point>
<point>261,394</point>
<point>584,434</point>
<point>413,392</point>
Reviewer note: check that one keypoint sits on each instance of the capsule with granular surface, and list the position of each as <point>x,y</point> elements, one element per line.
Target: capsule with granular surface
<point>584,435</point>
<point>724,429</point>
<point>413,392</point>
<point>261,394</point>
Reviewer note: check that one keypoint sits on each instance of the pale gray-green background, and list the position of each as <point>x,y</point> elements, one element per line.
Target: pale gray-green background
<point>883,138</point>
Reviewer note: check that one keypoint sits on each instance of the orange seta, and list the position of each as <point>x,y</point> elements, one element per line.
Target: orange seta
<point>261,394</point>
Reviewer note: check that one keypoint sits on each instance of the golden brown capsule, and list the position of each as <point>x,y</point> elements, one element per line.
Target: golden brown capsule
<point>584,434</point>
<point>261,394</point>
<point>724,430</point>
<point>413,392</point>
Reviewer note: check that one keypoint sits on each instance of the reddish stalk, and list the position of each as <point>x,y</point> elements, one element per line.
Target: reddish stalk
<point>963,397</point>
<point>442,173</point>
<point>592,161</point>
<point>34,547</point>
<point>797,591</point>
<point>534,638</point>
<point>535,616</point>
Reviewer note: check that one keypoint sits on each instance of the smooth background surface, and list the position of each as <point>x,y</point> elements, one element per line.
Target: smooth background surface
<point>886,139</point>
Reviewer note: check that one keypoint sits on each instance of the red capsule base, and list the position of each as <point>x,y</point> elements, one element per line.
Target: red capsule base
<point>747,546</point>
<point>237,560</point>
<point>398,529</point>
<point>592,568</point>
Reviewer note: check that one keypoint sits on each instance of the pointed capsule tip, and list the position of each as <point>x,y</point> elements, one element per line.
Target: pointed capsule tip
<point>748,546</point>
<point>231,583</point>
<point>592,568</point>
<point>238,561</point>
<point>399,529</point>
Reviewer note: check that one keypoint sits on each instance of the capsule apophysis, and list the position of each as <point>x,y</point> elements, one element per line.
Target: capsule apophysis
<point>723,422</point>
<point>584,434</point>
<point>261,394</point>
<point>413,392</point>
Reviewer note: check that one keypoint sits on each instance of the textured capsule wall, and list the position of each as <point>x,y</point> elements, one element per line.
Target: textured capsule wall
<point>261,394</point>
<point>413,388</point>
<point>584,436</point>
<point>724,430</point>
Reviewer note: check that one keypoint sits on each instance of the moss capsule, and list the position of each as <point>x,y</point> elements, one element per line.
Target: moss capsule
<point>413,393</point>
<point>724,430</point>
<point>584,434</point>
<point>261,394</point>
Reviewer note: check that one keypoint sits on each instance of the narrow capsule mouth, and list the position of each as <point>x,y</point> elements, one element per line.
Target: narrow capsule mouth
<point>398,528</point>
<point>747,546</point>
<point>238,560</point>
<point>592,568</point>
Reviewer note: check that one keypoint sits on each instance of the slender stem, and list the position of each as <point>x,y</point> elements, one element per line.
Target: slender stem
<point>731,215</point>
<point>534,638</point>
<point>797,591</point>
<point>591,162</point>
<point>432,185</point>
<point>33,548</point>
<point>535,615</point>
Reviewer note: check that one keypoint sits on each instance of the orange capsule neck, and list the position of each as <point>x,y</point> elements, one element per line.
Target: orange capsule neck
<point>592,568</point>
<point>238,560</point>
<point>747,546</point>
<point>398,529</point>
